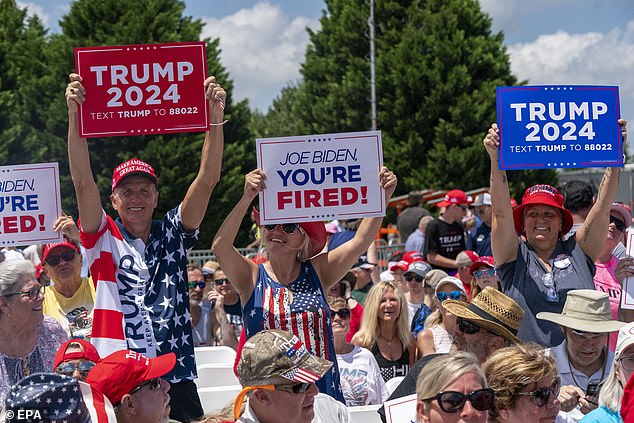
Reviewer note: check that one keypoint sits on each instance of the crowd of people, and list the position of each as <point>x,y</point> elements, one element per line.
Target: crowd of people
<point>515,318</point>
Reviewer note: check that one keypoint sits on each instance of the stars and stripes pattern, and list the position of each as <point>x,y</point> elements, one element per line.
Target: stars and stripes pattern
<point>141,300</point>
<point>299,308</point>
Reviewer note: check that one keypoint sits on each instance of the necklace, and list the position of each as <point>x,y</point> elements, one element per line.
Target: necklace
<point>572,373</point>
<point>389,341</point>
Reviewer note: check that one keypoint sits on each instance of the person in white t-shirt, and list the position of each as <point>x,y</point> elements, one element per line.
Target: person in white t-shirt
<point>361,379</point>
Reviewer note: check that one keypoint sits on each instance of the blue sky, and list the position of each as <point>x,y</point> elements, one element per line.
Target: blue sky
<point>550,41</point>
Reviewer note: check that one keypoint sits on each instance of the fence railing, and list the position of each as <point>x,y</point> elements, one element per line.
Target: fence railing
<point>383,250</point>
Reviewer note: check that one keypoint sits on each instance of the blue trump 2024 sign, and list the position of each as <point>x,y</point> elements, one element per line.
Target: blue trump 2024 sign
<point>545,127</point>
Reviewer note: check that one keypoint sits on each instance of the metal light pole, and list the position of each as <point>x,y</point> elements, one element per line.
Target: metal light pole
<point>372,71</point>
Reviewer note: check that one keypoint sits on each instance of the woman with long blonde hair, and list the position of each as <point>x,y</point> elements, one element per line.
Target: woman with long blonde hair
<point>385,331</point>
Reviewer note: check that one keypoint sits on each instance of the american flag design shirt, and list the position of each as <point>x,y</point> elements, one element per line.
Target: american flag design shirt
<point>299,308</point>
<point>142,294</point>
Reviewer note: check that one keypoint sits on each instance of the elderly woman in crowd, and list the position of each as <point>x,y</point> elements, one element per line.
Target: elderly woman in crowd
<point>438,336</point>
<point>611,392</point>
<point>452,389</point>
<point>537,273</point>
<point>385,332</point>
<point>361,379</point>
<point>288,291</point>
<point>28,339</point>
<point>526,385</point>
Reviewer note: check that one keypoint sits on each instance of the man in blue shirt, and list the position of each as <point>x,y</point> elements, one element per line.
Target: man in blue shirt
<point>479,239</point>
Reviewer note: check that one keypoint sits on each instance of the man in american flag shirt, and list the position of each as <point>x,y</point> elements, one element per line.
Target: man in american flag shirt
<point>139,265</point>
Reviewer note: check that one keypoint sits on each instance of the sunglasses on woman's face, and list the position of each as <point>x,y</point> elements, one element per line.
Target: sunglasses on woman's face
<point>344,313</point>
<point>453,402</point>
<point>287,228</point>
<point>453,295</point>
<point>540,396</point>
<point>484,273</point>
<point>618,224</point>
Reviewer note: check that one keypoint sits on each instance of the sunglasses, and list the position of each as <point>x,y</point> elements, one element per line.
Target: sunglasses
<point>344,313</point>
<point>454,295</point>
<point>68,256</point>
<point>618,224</point>
<point>223,281</point>
<point>464,208</point>
<point>587,335</point>
<point>33,294</point>
<point>67,368</point>
<point>409,277</point>
<point>295,388</point>
<point>484,273</point>
<point>467,327</point>
<point>154,384</point>
<point>540,396</point>
<point>453,402</point>
<point>199,284</point>
<point>287,228</point>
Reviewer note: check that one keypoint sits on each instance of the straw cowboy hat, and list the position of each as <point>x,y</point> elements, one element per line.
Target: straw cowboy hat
<point>585,310</point>
<point>491,310</point>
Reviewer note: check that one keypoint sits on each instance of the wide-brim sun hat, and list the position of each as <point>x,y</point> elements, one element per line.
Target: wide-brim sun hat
<point>491,310</point>
<point>542,195</point>
<point>316,232</point>
<point>585,310</point>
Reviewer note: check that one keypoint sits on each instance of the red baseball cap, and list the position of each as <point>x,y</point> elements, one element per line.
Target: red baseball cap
<point>50,247</point>
<point>412,256</point>
<point>122,371</point>
<point>484,260</point>
<point>133,167</point>
<point>316,232</point>
<point>455,196</point>
<point>401,264</point>
<point>544,195</point>
<point>89,353</point>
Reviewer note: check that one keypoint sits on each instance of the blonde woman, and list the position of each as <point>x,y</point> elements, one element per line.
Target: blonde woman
<point>384,330</point>
<point>453,389</point>
<point>441,324</point>
<point>526,385</point>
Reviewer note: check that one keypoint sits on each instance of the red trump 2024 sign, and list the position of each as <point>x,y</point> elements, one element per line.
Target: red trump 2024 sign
<point>143,89</point>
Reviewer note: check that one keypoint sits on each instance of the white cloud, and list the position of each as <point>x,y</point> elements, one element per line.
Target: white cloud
<point>591,58</point>
<point>34,9</point>
<point>262,48</point>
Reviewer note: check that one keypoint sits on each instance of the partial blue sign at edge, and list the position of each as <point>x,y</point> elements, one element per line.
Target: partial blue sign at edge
<point>559,126</point>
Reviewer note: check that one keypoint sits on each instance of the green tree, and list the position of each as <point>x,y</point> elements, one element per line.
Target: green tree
<point>437,66</point>
<point>174,157</point>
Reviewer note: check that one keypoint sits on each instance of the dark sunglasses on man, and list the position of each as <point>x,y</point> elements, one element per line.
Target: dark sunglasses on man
<point>410,277</point>
<point>199,284</point>
<point>68,368</point>
<point>467,327</point>
<point>618,224</point>
<point>68,256</point>
<point>222,281</point>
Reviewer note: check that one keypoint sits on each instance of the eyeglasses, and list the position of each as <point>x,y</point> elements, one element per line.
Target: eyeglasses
<point>467,327</point>
<point>67,368</point>
<point>223,281</point>
<point>295,388</point>
<point>587,335</point>
<point>453,402</point>
<point>464,208</point>
<point>154,384</point>
<point>618,224</point>
<point>33,294</point>
<point>409,277</point>
<point>454,295</point>
<point>344,313</point>
<point>540,396</point>
<point>484,273</point>
<point>287,228</point>
<point>199,284</point>
<point>68,256</point>
<point>627,362</point>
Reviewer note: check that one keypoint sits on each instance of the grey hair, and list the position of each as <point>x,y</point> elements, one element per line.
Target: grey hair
<point>12,272</point>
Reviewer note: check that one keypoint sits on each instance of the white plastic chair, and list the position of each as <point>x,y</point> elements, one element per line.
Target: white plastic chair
<point>210,375</point>
<point>215,398</point>
<point>365,414</point>
<point>393,383</point>
<point>220,354</point>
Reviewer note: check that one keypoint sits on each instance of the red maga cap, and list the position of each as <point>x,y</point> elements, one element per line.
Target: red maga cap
<point>133,167</point>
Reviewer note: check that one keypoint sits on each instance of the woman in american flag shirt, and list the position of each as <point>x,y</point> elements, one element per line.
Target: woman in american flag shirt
<point>288,291</point>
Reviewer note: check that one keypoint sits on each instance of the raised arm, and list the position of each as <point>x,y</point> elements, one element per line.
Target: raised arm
<point>241,271</point>
<point>333,265</point>
<point>504,240</point>
<point>199,192</point>
<point>88,199</point>
<point>591,235</point>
